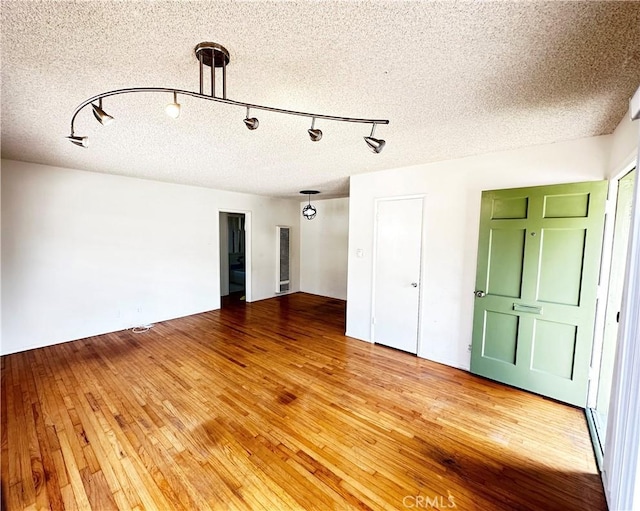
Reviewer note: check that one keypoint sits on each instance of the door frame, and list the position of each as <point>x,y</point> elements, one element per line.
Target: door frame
<point>374,260</point>
<point>603,282</point>
<point>247,249</point>
<point>621,471</point>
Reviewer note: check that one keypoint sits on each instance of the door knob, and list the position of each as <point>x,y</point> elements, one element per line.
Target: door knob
<point>479,293</point>
<point>414,284</point>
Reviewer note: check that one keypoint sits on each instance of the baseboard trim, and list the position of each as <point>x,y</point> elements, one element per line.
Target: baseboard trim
<point>596,441</point>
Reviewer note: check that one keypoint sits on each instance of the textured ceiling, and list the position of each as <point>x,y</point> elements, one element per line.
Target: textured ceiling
<point>454,79</point>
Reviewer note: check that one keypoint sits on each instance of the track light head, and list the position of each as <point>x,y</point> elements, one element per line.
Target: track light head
<point>375,144</point>
<point>79,141</point>
<point>101,116</point>
<point>251,122</point>
<point>314,134</point>
<point>173,109</point>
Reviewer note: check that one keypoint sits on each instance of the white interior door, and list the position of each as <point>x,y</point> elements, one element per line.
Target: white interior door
<point>397,273</point>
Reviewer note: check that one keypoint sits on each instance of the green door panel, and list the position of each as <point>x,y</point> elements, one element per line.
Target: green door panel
<point>538,262</point>
<point>554,347</point>
<point>560,275</point>
<point>506,248</point>
<point>509,208</point>
<point>566,205</point>
<point>503,329</point>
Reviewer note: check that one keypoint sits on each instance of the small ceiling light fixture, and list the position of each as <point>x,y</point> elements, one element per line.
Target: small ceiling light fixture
<point>309,211</point>
<point>173,109</point>
<point>101,116</point>
<point>375,144</point>
<point>216,56</point>
<point>315,134</point>
<point>251,123</point>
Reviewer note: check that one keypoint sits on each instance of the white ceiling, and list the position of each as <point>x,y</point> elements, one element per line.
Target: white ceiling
<point>454,79</point>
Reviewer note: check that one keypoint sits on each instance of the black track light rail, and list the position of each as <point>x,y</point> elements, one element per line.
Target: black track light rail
<point>220,100</point>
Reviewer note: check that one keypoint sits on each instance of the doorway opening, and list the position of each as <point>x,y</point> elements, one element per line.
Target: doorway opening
<point>598,414</point>
<point>234,263</point>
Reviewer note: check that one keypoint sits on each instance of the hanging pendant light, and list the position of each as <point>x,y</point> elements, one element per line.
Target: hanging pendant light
<point>309,211</point>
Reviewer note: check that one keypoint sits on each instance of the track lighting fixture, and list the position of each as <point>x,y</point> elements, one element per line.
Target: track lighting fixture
<point>315,134</point>
<point>216,57</point>
<point>101,116</point>
<point>251,123</point>
<point>375,144</point>
<point>173,109</point>
<point>309,211</point>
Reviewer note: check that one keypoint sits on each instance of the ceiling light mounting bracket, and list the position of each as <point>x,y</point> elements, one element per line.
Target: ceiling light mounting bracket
<point>205,51</point>
<point>213,55</point>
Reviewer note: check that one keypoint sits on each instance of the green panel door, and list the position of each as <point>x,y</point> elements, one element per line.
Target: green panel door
<point>536,285</point>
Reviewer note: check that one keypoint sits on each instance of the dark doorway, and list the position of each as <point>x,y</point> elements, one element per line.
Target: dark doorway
<point>232,258</point>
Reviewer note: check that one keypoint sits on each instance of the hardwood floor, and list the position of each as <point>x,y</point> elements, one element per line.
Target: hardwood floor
<point>269,406</point>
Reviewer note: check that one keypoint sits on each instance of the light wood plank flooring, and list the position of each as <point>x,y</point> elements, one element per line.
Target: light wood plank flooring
<point>269,406</point>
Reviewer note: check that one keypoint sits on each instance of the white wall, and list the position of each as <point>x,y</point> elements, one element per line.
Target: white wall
<point>323,249</point>
<point>452,209</point>
<point>86,253</point>
<point>624,146</point>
